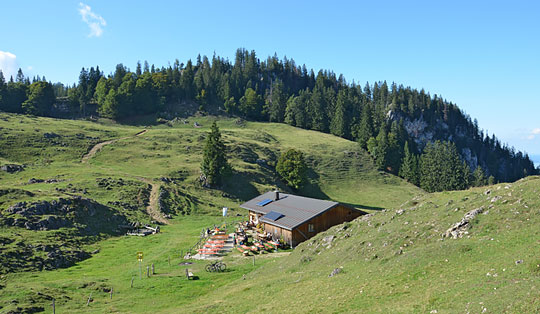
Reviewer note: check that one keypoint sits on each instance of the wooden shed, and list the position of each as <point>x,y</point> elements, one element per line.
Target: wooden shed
<point>297,218</point>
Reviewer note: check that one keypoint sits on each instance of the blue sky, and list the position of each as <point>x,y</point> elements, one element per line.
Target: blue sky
<point>483,56</point>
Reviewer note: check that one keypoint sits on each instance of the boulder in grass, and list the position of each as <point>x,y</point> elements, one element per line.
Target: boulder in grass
<point>11,168</point>
<point>336,271</point>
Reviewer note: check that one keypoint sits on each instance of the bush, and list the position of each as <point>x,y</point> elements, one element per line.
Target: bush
<point>292,168</point>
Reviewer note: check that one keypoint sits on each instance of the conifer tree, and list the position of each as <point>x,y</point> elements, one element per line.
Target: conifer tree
<point>441,168</point>
<point>338,125</point>
<point>214,164</point>
<point>40,99</point>
<point>380,151</point>
<point>276,102</point>
<point>3,91</point>
<point>466,175</point>
<point>479,177</point>
<point>409,167</point>
<point>365,129</point>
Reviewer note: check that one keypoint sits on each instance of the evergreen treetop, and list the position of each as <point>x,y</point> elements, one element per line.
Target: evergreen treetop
<point>214,164</point>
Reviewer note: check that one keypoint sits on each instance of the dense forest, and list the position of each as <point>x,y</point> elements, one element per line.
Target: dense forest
<point>425,139</point>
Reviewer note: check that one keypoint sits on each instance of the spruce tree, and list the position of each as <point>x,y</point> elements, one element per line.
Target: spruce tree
<point>339,123</point>
<point>441,168</point>
<point>365,129</point>
<point>214,164</point>
<point>40,99</point>
<point>466,175</point>
<point>479,177</point>
<point>409,167</point>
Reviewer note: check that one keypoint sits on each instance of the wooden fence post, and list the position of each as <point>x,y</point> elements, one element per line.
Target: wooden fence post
<point>132,281</point>
<point>253,260</point>
<point>153,269</point>
<point>89,298</point>
<point>53,307</point>
<point>111,292</point>
<point>147,271</point>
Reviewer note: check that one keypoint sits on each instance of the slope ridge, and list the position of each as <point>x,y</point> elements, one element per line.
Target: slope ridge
<point>399,260</point>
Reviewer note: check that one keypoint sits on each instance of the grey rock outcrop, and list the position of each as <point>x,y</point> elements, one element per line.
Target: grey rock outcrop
<point>460,228</point>
<point>11,168</point>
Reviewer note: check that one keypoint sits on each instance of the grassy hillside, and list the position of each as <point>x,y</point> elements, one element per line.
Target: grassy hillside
<point>400,261</point>
<point>120,178</point>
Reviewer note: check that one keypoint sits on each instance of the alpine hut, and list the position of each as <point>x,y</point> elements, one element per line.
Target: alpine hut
<point>296,218</point>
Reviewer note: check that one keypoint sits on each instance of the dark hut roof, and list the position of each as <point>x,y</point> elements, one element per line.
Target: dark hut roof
<point>289,211</point>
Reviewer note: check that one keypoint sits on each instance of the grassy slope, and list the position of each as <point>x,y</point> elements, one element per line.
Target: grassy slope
<point>339,172</point>
<point>469,274</point>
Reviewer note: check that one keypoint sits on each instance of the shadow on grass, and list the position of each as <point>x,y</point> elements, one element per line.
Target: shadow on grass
<point>311,189</point>
<point>139,120</point>
<point>239,186</point>
<point>360,206</point>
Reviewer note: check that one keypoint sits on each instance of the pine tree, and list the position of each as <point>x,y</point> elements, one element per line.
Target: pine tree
<point>20,76</point>
<point>214,164</point>
<point>380,152</point>
<point>316,111</point>
<point>365,129</point>
<point>339,123</point>
<point>441,168</point>
<point>276,102</point>
<point>409,167</point>
<point>466,175</point>
<point>479,177</point>
<point>3,91</point>
<point>40,99</point>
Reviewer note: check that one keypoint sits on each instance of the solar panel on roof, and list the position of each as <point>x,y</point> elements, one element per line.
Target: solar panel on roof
<point>264,202</point>
<point>273,216</point>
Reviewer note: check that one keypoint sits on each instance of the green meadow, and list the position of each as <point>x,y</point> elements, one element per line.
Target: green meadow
<point>125,171</point>
<point>397,259</point>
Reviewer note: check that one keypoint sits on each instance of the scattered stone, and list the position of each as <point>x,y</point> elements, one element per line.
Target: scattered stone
<point>34,180</point>
<point>49,223</point>
<point>11,168</point>
<point>335,271</point>
<point>520,261</point>
<point>487,192</point>
<point>460,228</point>
<point>50,135</point>
<point>496,198</point>
<point>165,180</point>
<point>328,240</point>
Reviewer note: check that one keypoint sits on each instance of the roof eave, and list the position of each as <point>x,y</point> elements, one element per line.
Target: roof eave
<point>273,223</point>
<point>252,209</point>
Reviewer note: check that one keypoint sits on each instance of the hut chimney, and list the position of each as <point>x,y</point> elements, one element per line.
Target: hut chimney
<point>276,197</point>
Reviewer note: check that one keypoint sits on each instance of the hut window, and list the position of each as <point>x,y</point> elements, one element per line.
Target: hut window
<point>311,228</point>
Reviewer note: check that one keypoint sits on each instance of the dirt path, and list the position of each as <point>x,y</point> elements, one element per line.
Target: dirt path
<point>99,146</point>
<point>153,204</point>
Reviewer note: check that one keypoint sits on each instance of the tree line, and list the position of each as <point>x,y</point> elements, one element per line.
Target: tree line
<point>399,126</point>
